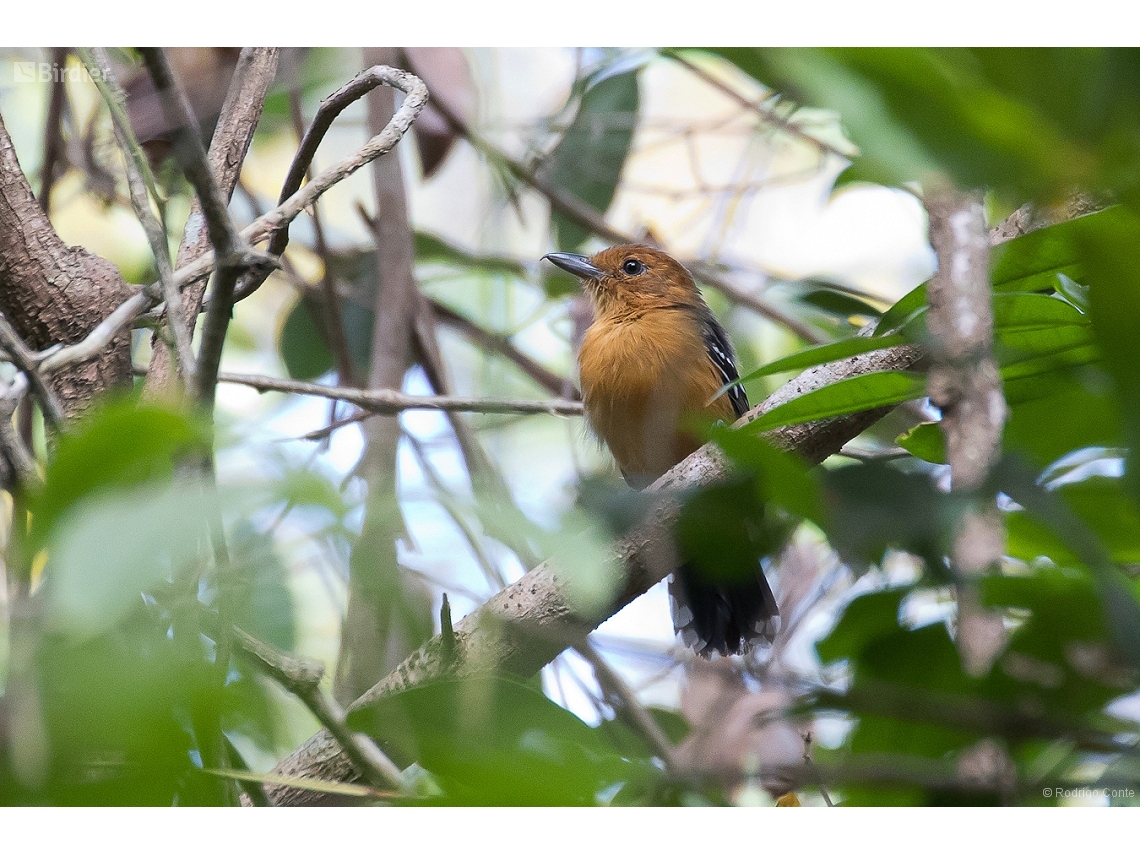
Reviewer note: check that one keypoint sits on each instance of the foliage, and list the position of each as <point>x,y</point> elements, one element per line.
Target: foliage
<point>123,681</point>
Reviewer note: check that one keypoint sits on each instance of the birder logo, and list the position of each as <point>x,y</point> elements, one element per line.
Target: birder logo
<point>50,72</point>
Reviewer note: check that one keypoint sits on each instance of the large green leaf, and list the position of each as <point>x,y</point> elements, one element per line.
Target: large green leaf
<point>588,160</point>
<point>853,395</point>
<point>117,445</point>
<point>494,741</point>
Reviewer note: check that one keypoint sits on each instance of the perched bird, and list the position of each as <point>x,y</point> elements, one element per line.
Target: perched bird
<point>651,364</point>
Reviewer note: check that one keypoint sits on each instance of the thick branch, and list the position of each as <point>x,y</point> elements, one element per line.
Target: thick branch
<point>526,625</point>
<point>255,70</point>
<point>965,384</point>
<point>53,293</point>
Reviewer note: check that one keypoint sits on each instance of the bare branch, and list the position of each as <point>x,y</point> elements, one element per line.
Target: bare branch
<point>100,336</point>
<point>626,705</point>
<point>229,246</point>
<point>271,222</point>
<point>964,382</point>
<point>135,164</point>
<point>389,402</point>
<point>585,216</point>
<point>241,112</point>
<point>53,131</point>
<point>302,678</point>
<point>26,361</point>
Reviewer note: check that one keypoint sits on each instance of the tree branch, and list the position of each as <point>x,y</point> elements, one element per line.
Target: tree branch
<point>389,402</point>
<point>526,625</point>
<point>241,112</point>
<point>136,166</point>
<point>583,215</point>
<point>965,384</point>
<point>302,678</point>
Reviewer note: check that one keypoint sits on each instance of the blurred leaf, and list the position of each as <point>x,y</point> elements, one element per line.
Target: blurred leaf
<point>1114,306</point>
<point>448,78</point>
<point>919,112</point>
<point>838,303</point>
<point>873,507</point>
<point>724,529</point>
<point>588,160</point>
<point>853,395</point>
<point>1121,608</point>
<point>779,477</point>
<point>119,444</point>
<point>302,343</point>
<point>430,248</point>
<point>925,441</point>
<point>93,579</point>
<point>261,602</point>
<point>490,740</point>
<point>866,618</point>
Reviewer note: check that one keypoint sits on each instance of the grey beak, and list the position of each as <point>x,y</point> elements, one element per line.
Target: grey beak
<point>579,265</point>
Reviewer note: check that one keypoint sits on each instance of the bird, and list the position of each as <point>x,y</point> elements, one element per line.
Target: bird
<point>653,362</point>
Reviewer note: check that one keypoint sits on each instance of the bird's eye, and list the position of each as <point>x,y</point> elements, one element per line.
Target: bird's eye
<point>632,267</point>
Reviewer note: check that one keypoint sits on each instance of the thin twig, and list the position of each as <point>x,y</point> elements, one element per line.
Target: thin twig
<point>275,223</point>
<point>768,115</point>
<point>27,361</point>
<point>100,336</point>
<point>501,344</point>
<point>334,320</point>
<point>302,678</point>
<point>625,704</point>
<point>229,246</point>
<point>20,460</point>
<point>135,162</point>
<point>53,131</point>
<point>585,216</point>
<point>390,402</point>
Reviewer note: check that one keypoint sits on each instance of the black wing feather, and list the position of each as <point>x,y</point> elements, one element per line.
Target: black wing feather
<point>720,352</point>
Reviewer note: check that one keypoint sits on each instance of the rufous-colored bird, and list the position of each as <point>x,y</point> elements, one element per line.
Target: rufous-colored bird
<point>651,365</point>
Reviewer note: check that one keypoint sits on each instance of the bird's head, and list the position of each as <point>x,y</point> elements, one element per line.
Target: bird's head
<point>630,277</point>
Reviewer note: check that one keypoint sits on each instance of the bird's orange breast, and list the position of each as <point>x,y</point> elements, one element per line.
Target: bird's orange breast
<point>642,387</point>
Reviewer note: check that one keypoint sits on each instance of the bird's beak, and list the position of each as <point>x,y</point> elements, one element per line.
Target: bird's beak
<point>579,265</point>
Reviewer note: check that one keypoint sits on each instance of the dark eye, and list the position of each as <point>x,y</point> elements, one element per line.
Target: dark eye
<point>632,267</point>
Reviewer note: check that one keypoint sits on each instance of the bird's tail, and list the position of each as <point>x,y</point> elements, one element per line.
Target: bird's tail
<point>723,617</point>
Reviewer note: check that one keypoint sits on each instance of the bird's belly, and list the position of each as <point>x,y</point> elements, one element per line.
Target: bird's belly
<point>642,425</point>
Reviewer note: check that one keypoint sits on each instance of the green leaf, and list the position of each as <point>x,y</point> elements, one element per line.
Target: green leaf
<point>117,445</point>
<point>853,395</point>
<point>819,354</point>
<point>588,160</point>
<point>925,441</point>
<point>93,579</point>
<point>780,478</point>
<point>866,618</point>
<point>1114,306</point>
<point>838,303</point>
<point>302,343</point>
<point>1121,609</point>
<point>494,741</point>
<point>874,507</point>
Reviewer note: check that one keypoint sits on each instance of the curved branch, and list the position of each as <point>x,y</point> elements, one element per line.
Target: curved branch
<point>527,624</point>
